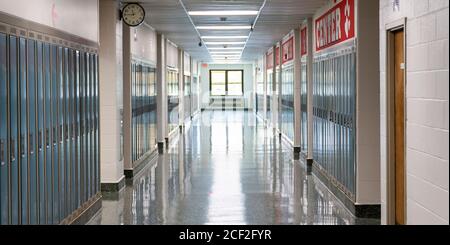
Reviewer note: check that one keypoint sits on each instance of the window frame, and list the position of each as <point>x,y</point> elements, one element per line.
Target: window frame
<point>226,81</point>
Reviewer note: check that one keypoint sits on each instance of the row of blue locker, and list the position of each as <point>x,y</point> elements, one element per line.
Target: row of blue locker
<point>144,112</point>
<point>48,130</point>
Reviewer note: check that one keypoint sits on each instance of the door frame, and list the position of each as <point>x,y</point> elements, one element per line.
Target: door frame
<point>390,118</point>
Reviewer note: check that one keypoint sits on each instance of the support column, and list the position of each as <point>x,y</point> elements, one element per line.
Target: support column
<point>275,96</point>
<point>181,88</point>
<point>297,94</point>
<point>280,87</point>
<point>309,75</point>
<point>161,97</point>
<point>110,93</point>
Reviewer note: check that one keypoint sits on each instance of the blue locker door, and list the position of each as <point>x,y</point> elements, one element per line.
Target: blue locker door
<point>48,134</point>
<point>32,139</point>
<point>67,159</point>
<point>77,129</point>
<point>72,129</point>
<point>82,130</point>
<point>88,124</point>
<point>55,125</point>
<point>14,130</point>
<point>4,171</point>
<point>62,132</point>
<point>41,133</point>
<point>97,146</point>
<point>24,174</point>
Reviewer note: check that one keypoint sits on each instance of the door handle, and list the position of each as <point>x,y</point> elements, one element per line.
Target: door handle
<point>47,137</point>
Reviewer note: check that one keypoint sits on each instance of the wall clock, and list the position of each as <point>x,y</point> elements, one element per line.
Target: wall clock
<point>133,14</point>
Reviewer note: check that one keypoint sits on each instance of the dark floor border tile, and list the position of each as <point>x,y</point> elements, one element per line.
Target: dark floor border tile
<point>130,173</point>
<point>86,212</point>
<point>358,210</point>
<point>112,187</point>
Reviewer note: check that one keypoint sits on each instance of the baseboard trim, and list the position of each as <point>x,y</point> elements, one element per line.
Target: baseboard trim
<point>358,210</point>
<point>130,173</point>
<point>113,187</point>
<point>84,213</point>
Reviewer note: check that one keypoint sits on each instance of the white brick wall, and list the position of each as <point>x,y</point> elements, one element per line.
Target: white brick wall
<point>427,86</point>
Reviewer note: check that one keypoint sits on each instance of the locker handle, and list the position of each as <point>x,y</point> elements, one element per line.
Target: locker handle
<point>2,152</point>
<point>55,139</point>
<point>22,146</point>
<point>40,141</point>
<point>30,144</point>
<point>13,150</point>
<point>47,138</point>
<point>61,136</point>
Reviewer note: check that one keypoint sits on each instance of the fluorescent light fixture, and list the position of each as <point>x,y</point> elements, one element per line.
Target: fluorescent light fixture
<point>224,27</point>
<point>224,37</point>
<point>226,49</point>
<point>224,43</point>
<point>224,52</point>
<point>223,13</point>
<point>226,56</point>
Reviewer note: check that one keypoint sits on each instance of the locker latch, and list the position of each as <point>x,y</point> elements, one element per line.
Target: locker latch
<point>22,146</point>
<point>30,145</point>
<point>40,141</point>
<point>2,152</point>
<point>13,150</point>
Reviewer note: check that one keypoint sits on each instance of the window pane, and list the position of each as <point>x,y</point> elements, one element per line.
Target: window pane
<point>218,83</point>
<point>234,82</point>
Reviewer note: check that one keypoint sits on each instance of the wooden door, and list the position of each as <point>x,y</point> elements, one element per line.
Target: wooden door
<point>399,79</point>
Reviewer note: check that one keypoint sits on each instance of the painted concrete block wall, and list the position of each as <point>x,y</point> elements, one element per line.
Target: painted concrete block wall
<point>143,43</point>
<point>172,55</point>
<point>427,87</point>
<point>248,81</point>
<point>77,17</point>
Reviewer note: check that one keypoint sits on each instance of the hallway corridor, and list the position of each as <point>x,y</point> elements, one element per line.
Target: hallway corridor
<point>226,169</point>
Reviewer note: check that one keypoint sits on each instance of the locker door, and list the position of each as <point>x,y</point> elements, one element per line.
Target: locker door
<point>48,134</point>
<point>82,104</point>
<point>31,58</point>
<point>4,170</point>
<point>24,174</point>
<point>91,123</point>
<point>66,160</point>
<point>88,125</point>
<point>76,87</point>
<point>72,135</point>
<point>14,130</point>
<point>55,136</point>
<point>40,102</point>
<point>61,146</point>
<point>96,132</point>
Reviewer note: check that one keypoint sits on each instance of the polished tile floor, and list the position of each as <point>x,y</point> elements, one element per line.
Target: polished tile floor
<point>227,168</point>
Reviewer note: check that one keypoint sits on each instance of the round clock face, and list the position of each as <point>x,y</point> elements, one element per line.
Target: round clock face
<point>133,14</point>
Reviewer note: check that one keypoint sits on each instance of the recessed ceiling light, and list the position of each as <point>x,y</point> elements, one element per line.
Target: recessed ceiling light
<point>224,27</point>
<point>224,43</point>
<point>225,37</point>
<point>224,13</point>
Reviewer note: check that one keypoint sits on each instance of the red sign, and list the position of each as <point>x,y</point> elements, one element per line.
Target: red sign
<point>304,40</point>
<point>269,60</point>
<point>288,50</point>
<point>337,25</point>
<point>277,55</point>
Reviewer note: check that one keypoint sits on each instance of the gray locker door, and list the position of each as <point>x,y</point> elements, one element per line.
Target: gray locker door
<point>14,130</point>
<point>60,119</point>
<point>40,102</point>
<point>48,134</point>
<point>55,136</point>
<point>32,139</point>
<point>4,170</point>
<point>24,174</point>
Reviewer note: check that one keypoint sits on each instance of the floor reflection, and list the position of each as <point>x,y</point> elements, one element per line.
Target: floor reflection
<point>226,169</point>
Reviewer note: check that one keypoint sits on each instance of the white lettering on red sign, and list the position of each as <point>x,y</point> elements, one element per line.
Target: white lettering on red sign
<point>336,25</point>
